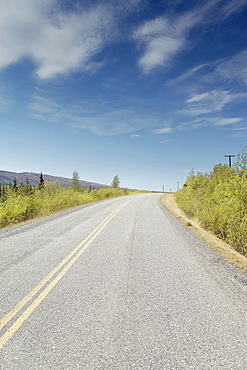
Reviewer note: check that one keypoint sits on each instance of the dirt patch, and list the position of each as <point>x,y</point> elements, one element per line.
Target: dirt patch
<point>217,245</point>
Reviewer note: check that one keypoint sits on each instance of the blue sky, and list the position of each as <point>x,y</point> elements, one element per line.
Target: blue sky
<point>144,89</point>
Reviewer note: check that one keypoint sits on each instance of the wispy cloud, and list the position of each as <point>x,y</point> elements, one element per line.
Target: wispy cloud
<point>161,42</point>
<point>57,42</point>
<point>212,101</point>
<point>232,7</point>
<point>164,38</point>
<point>105,121</point>
<point>227,69</point>
<point>234,68</point>
<point>227,121</point>
<point>164,130</point>
<point>209,120</point>
<point>166,141</point>
<point>240,128</point>
<point>197,97</point>
<point>133,136</point>
<point>210,108</point>
<point>187,74</point>
<point>110,123</point>
<point>42,105</point>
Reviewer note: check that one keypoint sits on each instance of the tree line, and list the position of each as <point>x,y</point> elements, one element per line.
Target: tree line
<point>27,187</point>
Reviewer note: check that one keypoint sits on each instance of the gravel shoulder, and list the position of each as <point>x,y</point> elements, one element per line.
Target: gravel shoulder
<point>217,245</point>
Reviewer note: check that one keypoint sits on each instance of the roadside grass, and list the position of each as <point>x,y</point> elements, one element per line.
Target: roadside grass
<point>219,202</point>
<point>226,218</point>
<point>219,246</point>
<point>24,204</point>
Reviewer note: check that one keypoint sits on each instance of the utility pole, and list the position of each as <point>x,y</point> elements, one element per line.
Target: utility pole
<point>177,186</point>
<point>163,188</point>
<point>230,156</point>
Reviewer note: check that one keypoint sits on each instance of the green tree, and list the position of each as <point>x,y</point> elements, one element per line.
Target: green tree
<point>15,185</point>
<point>241,163</point>
<point>41,181</point>
<point>75,183</point>
<point>27,187</point>
<point>115,182</point>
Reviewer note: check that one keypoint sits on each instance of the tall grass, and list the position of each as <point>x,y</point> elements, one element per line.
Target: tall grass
<point>25,203</point>
<point>219,201</point>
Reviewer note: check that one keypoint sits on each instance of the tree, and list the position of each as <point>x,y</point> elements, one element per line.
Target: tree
<point>41,181</point>
<point>15,185</point>
<point>241,164</point>
<point>75,184</point>
<point>115,182</point>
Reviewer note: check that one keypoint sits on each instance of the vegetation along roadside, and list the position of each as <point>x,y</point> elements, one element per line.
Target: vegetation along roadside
<point>21,203</point>
<point>215,206</point>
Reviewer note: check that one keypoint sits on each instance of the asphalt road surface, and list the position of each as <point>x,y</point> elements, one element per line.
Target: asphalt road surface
<point>118,284</point>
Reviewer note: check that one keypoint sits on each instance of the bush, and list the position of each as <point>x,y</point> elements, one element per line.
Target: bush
<point>25,203</point>
<point>219,202</point>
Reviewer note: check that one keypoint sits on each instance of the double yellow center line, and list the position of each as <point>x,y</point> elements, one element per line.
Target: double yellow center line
<point>55,276</point>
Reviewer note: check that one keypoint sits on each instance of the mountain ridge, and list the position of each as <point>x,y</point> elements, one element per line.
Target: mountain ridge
<point>33,178</point>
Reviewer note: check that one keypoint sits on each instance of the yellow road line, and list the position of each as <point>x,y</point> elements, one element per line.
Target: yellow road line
<point>86,242</point>
<point>30,295</point>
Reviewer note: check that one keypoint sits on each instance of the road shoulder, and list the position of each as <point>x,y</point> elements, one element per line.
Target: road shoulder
<point>217,245</point>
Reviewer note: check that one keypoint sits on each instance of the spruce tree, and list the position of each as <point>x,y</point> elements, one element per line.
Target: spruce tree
<point>41,181</point>
<point>15,185</point>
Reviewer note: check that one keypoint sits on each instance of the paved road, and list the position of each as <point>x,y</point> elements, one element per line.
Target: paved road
<point>118,284</point>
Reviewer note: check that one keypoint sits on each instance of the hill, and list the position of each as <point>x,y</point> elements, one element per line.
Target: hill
<point>33,178</point>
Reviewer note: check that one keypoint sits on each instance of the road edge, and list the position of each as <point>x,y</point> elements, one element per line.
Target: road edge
<point>223,249</point>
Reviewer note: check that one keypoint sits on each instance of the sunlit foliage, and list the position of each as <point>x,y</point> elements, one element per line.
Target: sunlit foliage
<point>219,201</point>
<point>23,202</point>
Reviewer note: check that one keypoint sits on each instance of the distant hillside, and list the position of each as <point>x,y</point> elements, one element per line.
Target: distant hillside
<point>33,178</point>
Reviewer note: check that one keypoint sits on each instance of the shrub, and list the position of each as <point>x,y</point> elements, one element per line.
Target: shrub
<point>25,203</point>
<point>219,202</point>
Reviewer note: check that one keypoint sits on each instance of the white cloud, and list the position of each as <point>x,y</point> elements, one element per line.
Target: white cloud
<point>152,28</point>
<point>110,123</point>
<point>159,52</point>
<point>232,7</point>
<point>197,97</point>
<point>234,68</point>
<point>164,38</point>
<point>240,128</point>
<point>194,112</point>
<point>164,130</point>
<point>166,141</point>
<point>107,121</point>
<point>135,135</point>
<point>161,43</point>
<point>57,42</point>
<point>41,107</point>
<point>227,121</point>
<point>215,121</point>
<point>212,101</point>
<point>187,74</point>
